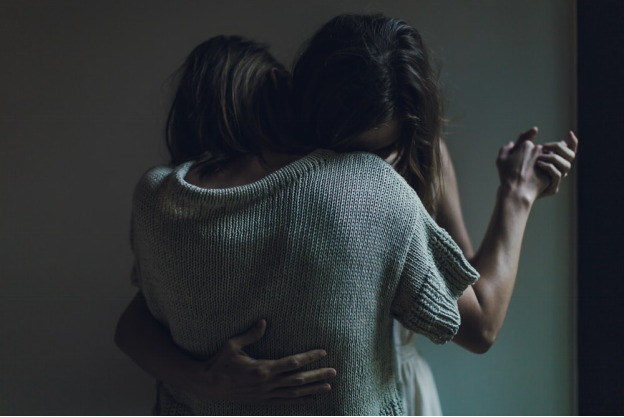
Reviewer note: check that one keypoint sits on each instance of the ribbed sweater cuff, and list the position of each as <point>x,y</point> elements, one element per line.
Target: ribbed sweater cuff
<point>450,261</point>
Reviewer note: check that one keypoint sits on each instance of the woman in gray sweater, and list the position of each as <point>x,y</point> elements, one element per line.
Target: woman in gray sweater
<point>250,229</point>
<point>454,273</point>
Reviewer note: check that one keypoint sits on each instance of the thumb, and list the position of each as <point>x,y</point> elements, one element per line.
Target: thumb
<point>504,150</point>
<point>528,135</point>
<point>250,336</point>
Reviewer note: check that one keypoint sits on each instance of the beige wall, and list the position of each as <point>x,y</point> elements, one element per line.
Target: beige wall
<point>82,116</point>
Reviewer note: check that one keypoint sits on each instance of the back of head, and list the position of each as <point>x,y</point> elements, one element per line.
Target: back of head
<point>227,103</point>
<point>360,71</point>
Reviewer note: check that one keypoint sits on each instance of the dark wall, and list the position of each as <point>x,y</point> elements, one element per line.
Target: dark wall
<point>81,117</point>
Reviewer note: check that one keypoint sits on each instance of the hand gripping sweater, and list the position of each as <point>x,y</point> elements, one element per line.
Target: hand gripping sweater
<point>327,249</point>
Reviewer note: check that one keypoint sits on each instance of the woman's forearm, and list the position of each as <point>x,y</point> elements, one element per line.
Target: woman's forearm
<point>149,344</point>
<point>483,307</point>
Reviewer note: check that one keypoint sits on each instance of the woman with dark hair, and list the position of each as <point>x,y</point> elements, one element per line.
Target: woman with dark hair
<point>230,105</point>
<point>232,99</point>
<point>335,113</point>
<point>370,74</point>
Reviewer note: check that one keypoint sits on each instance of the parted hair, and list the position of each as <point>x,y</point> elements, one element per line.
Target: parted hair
<point>360,71</point>
<point>227,104</point>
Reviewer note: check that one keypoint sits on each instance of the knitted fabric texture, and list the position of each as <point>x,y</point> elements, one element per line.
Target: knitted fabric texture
<point>327,249</point>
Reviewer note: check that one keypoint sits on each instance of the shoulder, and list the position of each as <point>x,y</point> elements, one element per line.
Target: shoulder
<point>156,174</point>
<point>365,178</point>
<point>151,181</point>
<point>361,160</point>
<point>365,167</point>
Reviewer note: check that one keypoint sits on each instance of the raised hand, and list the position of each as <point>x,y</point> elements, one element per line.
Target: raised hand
<point>232,375</point>
<point>516,164</point>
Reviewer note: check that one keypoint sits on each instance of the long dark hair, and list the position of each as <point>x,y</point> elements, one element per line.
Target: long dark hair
<point>360,71</point>
<point>227,104</point>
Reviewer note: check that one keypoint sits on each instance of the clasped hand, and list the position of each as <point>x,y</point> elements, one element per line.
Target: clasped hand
<point>232,375</point>
<point>534,170</point>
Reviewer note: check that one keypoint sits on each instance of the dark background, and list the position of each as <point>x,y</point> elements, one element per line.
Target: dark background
<point>601,207</point>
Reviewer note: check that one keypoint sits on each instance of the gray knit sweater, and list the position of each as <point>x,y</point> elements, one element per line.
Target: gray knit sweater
<point>327,249</point>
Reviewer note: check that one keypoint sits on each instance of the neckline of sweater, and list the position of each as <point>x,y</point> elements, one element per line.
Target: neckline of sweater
<point>244,193</point>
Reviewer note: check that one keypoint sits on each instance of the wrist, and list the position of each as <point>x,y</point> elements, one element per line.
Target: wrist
<point>516,195</point>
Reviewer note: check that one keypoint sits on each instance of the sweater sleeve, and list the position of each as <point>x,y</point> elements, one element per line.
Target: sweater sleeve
<point>142,189</point>
<point>435,274</point>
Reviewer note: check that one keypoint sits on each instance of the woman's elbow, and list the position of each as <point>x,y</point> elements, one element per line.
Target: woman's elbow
<point>484,342</point>
<point>477,341</point>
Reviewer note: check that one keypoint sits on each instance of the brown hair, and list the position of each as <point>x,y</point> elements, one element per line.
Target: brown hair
<point>227,104</point>
<point>360,71</point>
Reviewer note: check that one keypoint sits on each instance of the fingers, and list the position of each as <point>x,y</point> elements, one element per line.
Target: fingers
<point>308,377</point>
<point>301,391</point>
<point>562,165</point>
<point>561,154</point>
<point>528,135</point>
<point>572,141</point>
<point>555,177</point>
<point>291,363</point>
<point>504,150</point>
<point>561,149</point>
<point>250,336</point>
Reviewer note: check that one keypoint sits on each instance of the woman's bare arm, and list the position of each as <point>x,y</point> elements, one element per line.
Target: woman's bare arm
<point>483,307</point>
<point>449,212</point>
<point>230,375</point>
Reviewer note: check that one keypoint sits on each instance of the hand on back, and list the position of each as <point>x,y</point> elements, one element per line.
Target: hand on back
<point>232,375</point>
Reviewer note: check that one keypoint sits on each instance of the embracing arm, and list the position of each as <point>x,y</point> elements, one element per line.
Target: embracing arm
<point>483,306</point>
<point>148,343</point>
<point>230,375</point>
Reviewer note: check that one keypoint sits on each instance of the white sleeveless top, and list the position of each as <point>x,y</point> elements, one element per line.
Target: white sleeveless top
<point>415,379</point>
